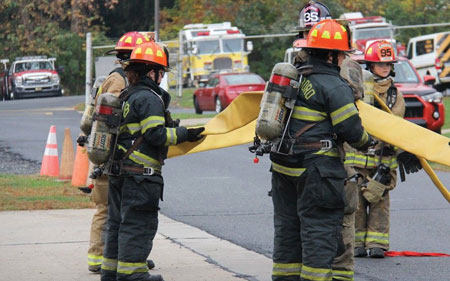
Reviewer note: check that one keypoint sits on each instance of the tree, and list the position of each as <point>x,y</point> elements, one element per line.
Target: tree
<point>52,28</point>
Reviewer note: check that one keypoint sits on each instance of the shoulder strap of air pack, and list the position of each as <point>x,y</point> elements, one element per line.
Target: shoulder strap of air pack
<point>122,73</point>
<point>124,96</point>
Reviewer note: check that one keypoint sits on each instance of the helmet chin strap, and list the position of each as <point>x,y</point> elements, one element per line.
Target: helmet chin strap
<point>378,78</point>
<point>335,59</point>
<point>157,77</point>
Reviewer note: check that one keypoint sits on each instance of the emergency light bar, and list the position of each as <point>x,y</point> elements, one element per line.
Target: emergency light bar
<point>31,58</point>
<point>378,19</point>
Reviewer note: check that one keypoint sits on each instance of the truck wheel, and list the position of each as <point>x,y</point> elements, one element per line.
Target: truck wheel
<point>197,107</point>
<point>13,95</point>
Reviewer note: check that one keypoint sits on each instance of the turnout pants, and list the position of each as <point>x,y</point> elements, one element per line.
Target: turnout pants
<point>372,221</point>
<point>344,264</point>
<point>99,196</point>
<point>308,215</point>
<point>132,225</point>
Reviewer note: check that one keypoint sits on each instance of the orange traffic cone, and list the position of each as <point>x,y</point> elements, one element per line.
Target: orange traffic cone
<point>67,157</point>
<point>81,167</point>
<point>50,163</point>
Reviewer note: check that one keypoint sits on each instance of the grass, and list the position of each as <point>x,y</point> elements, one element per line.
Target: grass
<point>439,167</point>
<point>447,113</point>
<point>185,101</point>
<point>32,192</point>
<point>182,116</point>
<point>79,107</point>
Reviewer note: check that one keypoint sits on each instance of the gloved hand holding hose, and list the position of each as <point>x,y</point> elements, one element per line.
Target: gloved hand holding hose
<point>193,134</point>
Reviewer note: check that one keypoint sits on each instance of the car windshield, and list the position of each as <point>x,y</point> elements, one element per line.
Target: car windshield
<point>368,33</point>
<point>33,65</point>
<point>232,45</point>
<point>243,79</point>
<point>208,47</point>
<point>404,73</point>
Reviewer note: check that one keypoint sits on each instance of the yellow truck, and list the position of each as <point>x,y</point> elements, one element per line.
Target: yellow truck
<point>211,48</point>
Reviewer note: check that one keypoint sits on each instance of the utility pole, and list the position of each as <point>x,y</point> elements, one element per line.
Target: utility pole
<point>88,66</point>
<point>156,20</point>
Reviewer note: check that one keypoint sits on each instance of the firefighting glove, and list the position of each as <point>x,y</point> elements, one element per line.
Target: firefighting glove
<point>193,134</point>
<point>82,140</point>
<point>370,142</point>
<point>409,161</point>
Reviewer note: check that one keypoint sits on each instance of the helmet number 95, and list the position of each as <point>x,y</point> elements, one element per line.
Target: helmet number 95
<point>386,52</point>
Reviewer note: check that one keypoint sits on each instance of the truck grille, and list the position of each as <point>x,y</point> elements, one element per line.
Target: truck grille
<point>36,80</point>
<point>414,108</point>
<point>222,63</point>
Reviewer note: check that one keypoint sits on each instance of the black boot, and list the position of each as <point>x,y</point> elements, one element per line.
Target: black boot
<point>156,277</point>
<point>150,264</point>
<point>360,252</point>
<point>376,253</point>
<point>95,268</point>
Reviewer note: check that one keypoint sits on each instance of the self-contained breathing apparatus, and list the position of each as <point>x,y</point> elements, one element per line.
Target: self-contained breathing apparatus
<point>103,141</point>
<point>276,108</point>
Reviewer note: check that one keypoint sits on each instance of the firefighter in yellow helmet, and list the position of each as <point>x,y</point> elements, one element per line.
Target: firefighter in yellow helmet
<point>114,83</point>
<point>307,172</point>
<point>135,175</point>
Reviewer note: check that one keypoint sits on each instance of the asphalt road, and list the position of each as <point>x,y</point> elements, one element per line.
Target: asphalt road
<point>225,194</point>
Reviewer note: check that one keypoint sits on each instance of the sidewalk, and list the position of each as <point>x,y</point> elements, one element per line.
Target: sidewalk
<point>51,246</point>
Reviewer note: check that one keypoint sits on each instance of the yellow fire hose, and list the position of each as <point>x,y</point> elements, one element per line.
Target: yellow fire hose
<point>236,125</point>
<point>233,126</point>
<point>425,165</point>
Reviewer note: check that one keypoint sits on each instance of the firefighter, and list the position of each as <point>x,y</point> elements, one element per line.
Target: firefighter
<point>378,167</point>
<point>135,179</point>
<point>307,172</point>
<point>343,265</point>
<point>114,83</point>
<point>310,14</point>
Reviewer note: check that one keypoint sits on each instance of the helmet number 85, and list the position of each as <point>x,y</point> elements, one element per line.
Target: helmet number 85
<point>311,16</point>
<point>386,52</point>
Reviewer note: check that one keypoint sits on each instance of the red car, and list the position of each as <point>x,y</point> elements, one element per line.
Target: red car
<point>424,104</point>
<point>221,89</point>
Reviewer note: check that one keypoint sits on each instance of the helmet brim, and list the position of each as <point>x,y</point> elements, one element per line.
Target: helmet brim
<point>111,52</point>
<point>371,61</point>
<point>117,51</point>
<point>129,61</point>
<point>351,51</point>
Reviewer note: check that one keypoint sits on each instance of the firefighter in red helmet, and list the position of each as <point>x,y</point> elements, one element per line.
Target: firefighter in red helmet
<point>379,167</point>
<point>114,83</point>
